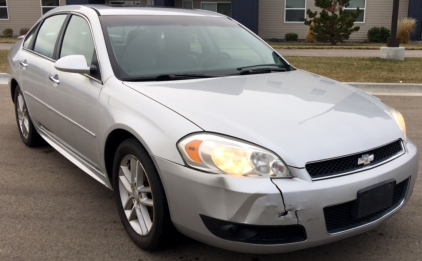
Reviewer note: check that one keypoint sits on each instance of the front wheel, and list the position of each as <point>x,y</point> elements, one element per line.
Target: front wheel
<point>140,197</point>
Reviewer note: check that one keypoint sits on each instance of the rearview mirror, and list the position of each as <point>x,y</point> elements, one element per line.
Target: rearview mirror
<point>73,64</point>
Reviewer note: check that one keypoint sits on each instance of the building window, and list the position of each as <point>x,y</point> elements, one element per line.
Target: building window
<point>47,5</point>
<point>222,8</point>
<point>187,4</point>
<point>353,5</point>
<point>117,3</point>
<point>295,11</point>
<point>4,14</point>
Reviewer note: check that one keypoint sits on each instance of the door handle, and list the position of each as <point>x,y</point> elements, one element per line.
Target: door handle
<point>54,79</point>
<point>24,64</point>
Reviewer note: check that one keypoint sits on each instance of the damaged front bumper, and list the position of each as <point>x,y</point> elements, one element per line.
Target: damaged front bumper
<point>212,208</point>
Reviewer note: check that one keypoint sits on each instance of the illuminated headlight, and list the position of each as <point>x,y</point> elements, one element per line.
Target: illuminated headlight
<point>219,154</point>
<point>399,120</point>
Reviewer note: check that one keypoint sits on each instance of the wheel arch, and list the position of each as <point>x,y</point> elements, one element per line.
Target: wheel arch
<point>113,140</point>
<point>13,85</point>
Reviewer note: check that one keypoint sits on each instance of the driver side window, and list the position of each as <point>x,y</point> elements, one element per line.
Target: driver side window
<point>226,40</point>
<point>78,41</point>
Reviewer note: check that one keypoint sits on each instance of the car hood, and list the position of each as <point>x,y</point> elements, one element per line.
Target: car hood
<point>300,116</point>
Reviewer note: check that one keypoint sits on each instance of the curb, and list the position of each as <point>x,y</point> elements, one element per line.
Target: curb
<point>4,78</point>
<point>389,89</point>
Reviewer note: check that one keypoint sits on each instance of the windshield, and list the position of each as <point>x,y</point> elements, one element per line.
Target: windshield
<point>147,46</point>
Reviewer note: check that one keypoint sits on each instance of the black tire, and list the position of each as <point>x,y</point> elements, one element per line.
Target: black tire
<point>162,229</point>
<point>32,139</point>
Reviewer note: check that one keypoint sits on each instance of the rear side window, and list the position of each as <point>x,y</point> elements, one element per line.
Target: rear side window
<point>78,40</point>
<point>48,34</point>
<point>29,38</point>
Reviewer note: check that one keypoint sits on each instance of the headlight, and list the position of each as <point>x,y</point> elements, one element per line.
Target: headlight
<point>219,154</point>
<point>399,120</point>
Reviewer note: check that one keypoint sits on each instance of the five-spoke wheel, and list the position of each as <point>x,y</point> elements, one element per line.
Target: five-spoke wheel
<point>23,118</point>
<point>136,195</point>
<point>140,197</point>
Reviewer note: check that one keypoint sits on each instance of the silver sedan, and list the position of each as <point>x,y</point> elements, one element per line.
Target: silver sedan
<point>200,127</point>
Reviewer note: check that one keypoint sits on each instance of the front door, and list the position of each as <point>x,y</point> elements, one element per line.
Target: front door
<point>76,95</point>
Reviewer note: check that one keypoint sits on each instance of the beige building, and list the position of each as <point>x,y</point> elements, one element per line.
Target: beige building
<point>18,14</point>
<point>269,18</point>
<point>279,17</point>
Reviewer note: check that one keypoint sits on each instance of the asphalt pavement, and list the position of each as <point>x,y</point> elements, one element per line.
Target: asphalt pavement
<point>51,210</point>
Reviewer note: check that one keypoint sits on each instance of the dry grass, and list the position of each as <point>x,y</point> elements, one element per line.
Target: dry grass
<point>3,61</point>
<point>8,40</point>
<point>310,38</point>
<point>405,28</point>
<point>348,46</point>
<point>362,69</point>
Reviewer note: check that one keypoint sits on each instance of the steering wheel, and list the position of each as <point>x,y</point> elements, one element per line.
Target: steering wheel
<point>214,57</point>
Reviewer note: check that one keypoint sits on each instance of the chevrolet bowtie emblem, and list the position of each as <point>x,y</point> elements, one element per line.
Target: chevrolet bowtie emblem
<point>366,159</point>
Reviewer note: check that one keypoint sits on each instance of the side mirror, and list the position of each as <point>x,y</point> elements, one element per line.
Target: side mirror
<point>73,64</point>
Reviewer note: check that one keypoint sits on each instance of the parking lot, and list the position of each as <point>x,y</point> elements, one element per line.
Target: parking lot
<point>51,210</point>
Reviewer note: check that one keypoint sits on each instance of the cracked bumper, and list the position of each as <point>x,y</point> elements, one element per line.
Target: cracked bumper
<point>258,201</point>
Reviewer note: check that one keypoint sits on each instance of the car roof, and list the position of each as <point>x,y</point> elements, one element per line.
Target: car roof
<point>161,11</point>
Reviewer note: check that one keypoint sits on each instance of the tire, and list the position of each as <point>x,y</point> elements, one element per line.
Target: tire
<point>27,131</point>
<point>143,196</point>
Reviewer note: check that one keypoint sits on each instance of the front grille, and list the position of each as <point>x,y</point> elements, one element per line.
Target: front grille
<point>254,234</point>
<point>350,163</point>
<point>339,218</point>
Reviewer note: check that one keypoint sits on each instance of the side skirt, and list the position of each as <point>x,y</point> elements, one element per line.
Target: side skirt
<point>75,159</point>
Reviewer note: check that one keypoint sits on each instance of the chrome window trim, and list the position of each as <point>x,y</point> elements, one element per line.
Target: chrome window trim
<point>402,152</point>
<point>52,60</point>
<point>38,54</point>
<point>62,115</point>
<point>380,218</point>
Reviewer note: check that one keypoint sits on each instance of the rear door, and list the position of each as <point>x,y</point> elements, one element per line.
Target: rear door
<point>37,60</point>
<point>76,95</point>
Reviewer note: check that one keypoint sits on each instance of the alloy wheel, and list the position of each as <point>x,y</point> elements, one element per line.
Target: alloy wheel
<point>136,195</point>
<point>23,117</point>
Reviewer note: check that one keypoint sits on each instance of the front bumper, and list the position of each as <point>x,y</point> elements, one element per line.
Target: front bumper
<point>277,202</point>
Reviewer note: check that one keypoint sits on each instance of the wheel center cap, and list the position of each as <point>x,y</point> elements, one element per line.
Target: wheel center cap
<point>135,193</point>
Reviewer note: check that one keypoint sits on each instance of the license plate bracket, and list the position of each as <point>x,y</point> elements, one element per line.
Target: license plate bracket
<point>374,198</point>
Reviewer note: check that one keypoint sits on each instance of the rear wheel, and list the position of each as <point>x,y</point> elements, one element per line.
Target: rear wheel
<point>27,131</point>
<point>140,197</point>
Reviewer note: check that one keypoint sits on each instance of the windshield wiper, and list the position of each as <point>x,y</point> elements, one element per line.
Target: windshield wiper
<point>260,66</point>
<point>259,69</point>
<point>168,77</point>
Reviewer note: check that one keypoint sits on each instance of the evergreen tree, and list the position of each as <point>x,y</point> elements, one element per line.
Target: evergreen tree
<point>334,24</point>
